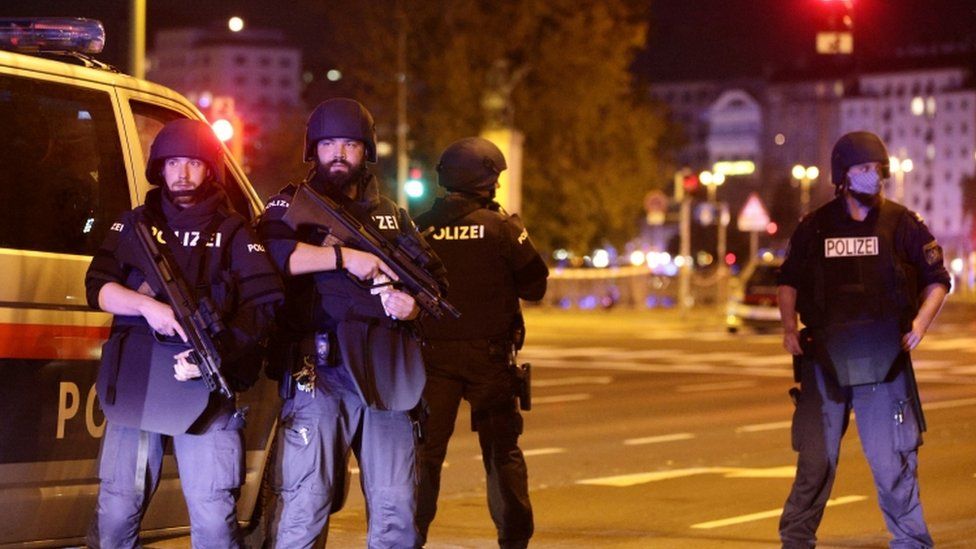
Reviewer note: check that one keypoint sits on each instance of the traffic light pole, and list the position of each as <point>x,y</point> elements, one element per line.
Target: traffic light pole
<point>684,223</point>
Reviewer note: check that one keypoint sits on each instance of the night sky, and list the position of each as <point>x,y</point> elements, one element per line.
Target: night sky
<point>688,38</point>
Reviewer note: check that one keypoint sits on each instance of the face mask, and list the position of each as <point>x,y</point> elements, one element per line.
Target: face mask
<point>865,183</point>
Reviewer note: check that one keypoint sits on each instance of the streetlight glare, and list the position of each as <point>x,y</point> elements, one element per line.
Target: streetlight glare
<point>799,171</point>
<point>812,172</point>
<point>235,24</point>
<point>223,129</point>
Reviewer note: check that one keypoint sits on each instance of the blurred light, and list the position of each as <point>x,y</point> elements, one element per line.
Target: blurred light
<point>779,139</point>
<point>704,258</point>
<point>957,265</point>
<point>334,75</point>
<point>307,77</point>
<point>384,148</point>
<point>918,106</point>
<point>930,106</point>
<point>907,165</point>
<point>636,257</point>
<point>730,259</point>
<point>679,261</point>
<point>734,167</point>
<point>560,254</point>
<point>767,256</point>
<point>601,258</point>
<point>414,188</point>
<point>772,227</point>
<point>235,24</point>
<point>798,172</point>
<point>705,177</point>
<point>206,99</point>
<point>812,172</point>
<point>223,129</point>
<point>930,151</point>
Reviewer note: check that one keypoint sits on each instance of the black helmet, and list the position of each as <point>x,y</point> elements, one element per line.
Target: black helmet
<point>340,117</point>
<point>187,138</point>
<point>857,148</point>
<point>471,164</point>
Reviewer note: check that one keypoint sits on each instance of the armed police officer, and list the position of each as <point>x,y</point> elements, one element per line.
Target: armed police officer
<point>352,370</point>
<point>148,385</point>
<point>491,264</point>
<point>867,278</point>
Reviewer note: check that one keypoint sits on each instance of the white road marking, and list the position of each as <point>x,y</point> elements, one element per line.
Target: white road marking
<point>572,397</point>
<point>768,514</point>
<point>759,427</point>
<point>948,404</point>
<point>633,479</point>
<point>722,386</point>
<point>577,380</point>
<point>535,452</point>
<point>658,439</point>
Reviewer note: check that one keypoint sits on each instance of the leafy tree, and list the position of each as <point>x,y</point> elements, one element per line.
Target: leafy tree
<point>556,70</point>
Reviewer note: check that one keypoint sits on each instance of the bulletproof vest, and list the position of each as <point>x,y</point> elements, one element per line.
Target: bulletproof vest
<point>470,240</point>
<point>860,304</point>
<point>857,274</point>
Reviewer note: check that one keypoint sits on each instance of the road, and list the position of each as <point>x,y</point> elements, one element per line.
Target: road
<point>655,430</point>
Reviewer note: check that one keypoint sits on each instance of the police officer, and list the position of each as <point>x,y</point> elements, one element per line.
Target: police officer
<point>147,385</point>
<point>491,264</point>
<point>353,371</point>
<point>867,278</point>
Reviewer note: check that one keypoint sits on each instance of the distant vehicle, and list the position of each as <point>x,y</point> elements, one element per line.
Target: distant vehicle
<point>755,305</point>
<point>76,135</point>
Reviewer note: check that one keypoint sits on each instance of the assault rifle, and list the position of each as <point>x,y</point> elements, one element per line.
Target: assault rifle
<point>405,256</point>
<point>197,316</point>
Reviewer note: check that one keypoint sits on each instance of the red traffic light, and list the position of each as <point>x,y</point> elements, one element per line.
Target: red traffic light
<point>690,183</point>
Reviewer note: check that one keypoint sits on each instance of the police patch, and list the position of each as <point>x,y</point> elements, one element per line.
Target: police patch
<point>855,246</point>
<point>933,253</point>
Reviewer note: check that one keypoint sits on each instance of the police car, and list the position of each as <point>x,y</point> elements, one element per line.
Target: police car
<point>755,304</point>
<point>74,138</point>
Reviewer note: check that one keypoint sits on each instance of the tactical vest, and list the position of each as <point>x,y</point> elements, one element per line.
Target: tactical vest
<point>859,303</point>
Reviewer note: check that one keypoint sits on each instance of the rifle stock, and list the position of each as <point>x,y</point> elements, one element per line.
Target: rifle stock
<point>311,208</point>
<point>197,317</point>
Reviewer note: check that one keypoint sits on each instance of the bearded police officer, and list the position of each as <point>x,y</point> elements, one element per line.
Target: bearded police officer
<point>352,369</point>
<point>491,263</point>
<point>867,278</point>
<point>147,385</point>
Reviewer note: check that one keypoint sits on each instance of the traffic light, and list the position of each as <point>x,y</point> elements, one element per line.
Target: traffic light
<point>690,183</point>
<point>415,186</point>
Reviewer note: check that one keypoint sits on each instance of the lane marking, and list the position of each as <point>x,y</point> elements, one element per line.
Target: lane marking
<point>573,397</point>
<point>657,439</point>
<point>721,386</point>
<point>751,517</point>
<point>948,404</point>
<point>759,427</point>
<point>578,380</point>
<point>633,479</point>
<point>533,452</point>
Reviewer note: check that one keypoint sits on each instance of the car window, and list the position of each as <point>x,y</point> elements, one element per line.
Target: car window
<point>62,176</point>
<point>151,118</point>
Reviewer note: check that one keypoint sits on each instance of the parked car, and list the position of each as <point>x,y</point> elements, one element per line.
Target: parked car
<point>755,304</point>
<point>76,135</point>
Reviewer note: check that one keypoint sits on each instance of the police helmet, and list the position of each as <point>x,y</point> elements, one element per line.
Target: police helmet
<point>186,138</point>
<point>471,164</point>
<point>857,148</point>
<point>340,117</point>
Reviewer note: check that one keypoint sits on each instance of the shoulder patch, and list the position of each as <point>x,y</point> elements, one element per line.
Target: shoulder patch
<point>933,253</point>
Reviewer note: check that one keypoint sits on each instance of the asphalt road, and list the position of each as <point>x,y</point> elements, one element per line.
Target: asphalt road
<point>655,430</point>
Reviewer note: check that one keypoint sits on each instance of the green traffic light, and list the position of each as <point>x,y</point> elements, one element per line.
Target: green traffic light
<point>414,188</point>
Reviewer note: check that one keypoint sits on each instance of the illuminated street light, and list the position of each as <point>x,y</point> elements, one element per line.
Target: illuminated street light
<point>900,167</point>
<point>711,181</point>
<point>806,175</point>
<point>223,129</point>
<point>235,24</point>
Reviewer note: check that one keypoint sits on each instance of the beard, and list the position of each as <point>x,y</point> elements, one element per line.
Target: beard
<point>338,181</point>
<point>866,199</point>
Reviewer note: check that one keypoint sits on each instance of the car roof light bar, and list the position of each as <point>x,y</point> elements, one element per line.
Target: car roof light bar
<point>52,34</point>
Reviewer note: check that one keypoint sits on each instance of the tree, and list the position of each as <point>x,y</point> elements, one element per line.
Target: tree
<point>556,70</point>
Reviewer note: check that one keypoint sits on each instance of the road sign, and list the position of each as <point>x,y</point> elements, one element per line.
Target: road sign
<point>656,206</point>
<point>753,216</point>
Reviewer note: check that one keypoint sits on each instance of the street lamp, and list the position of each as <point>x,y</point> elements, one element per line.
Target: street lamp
<point>900,168</point>
<point>711,181</point>
<point>806,175</point>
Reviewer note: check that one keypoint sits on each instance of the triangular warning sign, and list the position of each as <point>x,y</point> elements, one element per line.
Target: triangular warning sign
<point>753,216</point>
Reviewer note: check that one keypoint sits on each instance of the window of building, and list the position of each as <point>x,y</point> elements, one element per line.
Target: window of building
<point>240,80</point>
<point>265,81</point>
<point>284,83</point>
<point>284,62</point>
<point>240,60</point>
<point>265,61</point>
<point>62,175</point>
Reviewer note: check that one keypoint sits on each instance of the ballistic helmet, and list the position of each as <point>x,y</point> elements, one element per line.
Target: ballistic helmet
<point>186,138</point>
<point>471,164</point>
<point>857,148</point>
<point>340,117</point>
